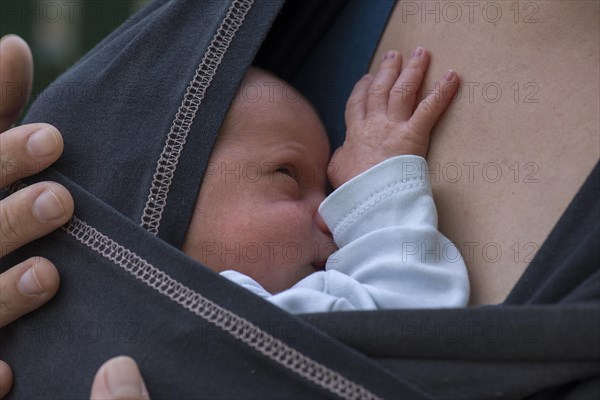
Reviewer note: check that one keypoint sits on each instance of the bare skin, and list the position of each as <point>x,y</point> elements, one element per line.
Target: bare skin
<point>257,210</point>
<point>542,54</point>
<point>540,133</point>
<point>267,173</point>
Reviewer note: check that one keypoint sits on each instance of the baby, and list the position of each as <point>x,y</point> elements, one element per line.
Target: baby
<point>262,218</point>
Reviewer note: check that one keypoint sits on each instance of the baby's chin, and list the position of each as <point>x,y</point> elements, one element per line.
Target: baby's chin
<point>308,269</point>
<point>318,265</point>
<point>302,271</point>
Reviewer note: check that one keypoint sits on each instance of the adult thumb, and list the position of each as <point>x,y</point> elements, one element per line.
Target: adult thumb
<point>119,379</point>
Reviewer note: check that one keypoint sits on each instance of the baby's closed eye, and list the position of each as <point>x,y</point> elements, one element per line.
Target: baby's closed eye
<point>285,170</point>
<point>284,179</point>
<point>289,172</point>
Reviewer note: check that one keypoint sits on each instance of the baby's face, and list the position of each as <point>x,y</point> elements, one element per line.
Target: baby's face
<point>257,209</point>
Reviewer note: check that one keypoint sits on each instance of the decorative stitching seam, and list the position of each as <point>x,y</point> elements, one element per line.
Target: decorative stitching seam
<point>238,327</point>
<point>372,200</point>
<point>176,138</point>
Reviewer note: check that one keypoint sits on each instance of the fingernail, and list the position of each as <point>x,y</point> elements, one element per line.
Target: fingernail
<point>42,143</point>
<point>47,207</point>
<point>29,284</point>
<point>123,379</point>
<point>418,52</point>
<point>449,75</point>
<point>390,55</point>
<point>367,76</point>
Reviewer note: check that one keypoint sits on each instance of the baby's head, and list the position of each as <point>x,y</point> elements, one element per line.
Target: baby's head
<point>257,209</point>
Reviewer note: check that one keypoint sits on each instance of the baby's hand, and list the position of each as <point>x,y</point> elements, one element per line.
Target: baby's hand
<point>381,119</point>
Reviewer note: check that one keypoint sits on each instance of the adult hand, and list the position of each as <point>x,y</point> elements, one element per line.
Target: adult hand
<point>118,379</point>
<point>33,211</point>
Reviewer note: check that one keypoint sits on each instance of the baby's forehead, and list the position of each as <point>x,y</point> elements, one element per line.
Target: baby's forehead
<point>266,110</point>
<point>260,86</point>
<point>262,98</point>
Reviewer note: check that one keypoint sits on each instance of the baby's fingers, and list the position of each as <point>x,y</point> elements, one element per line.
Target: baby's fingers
<point>382,83</point>
<point>430,109</point>
<point>356,107</point>
<point>404,93</point>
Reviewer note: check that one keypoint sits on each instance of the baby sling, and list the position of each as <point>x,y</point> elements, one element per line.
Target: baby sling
<point>139,115</point>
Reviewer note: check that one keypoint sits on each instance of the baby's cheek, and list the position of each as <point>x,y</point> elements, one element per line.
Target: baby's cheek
<point>291,230</point>
<point>272,241</point>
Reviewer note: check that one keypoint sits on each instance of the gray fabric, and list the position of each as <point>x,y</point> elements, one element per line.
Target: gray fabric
<point>115,108</point>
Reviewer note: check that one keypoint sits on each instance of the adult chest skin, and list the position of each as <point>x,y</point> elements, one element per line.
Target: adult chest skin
<point>523,134</point>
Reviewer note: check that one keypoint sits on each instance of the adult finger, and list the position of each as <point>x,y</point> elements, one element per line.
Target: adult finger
<point>430,109</point>
<point>6,378</point>
<point>356,106</point>
<point>16,77</point>
<point>31,213</point>
<point>28,149</point>
<point>404,93</point>
<point>382,83</point>
<point>25,287</point>
<point>119,378</point>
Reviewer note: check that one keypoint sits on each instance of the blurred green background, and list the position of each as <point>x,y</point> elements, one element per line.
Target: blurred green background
<point>59,32</point>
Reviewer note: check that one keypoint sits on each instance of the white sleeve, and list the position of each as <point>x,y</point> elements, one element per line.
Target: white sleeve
<point>390,255</point>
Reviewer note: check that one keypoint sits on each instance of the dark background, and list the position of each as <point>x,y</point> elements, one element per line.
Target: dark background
<point>59,32</point>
